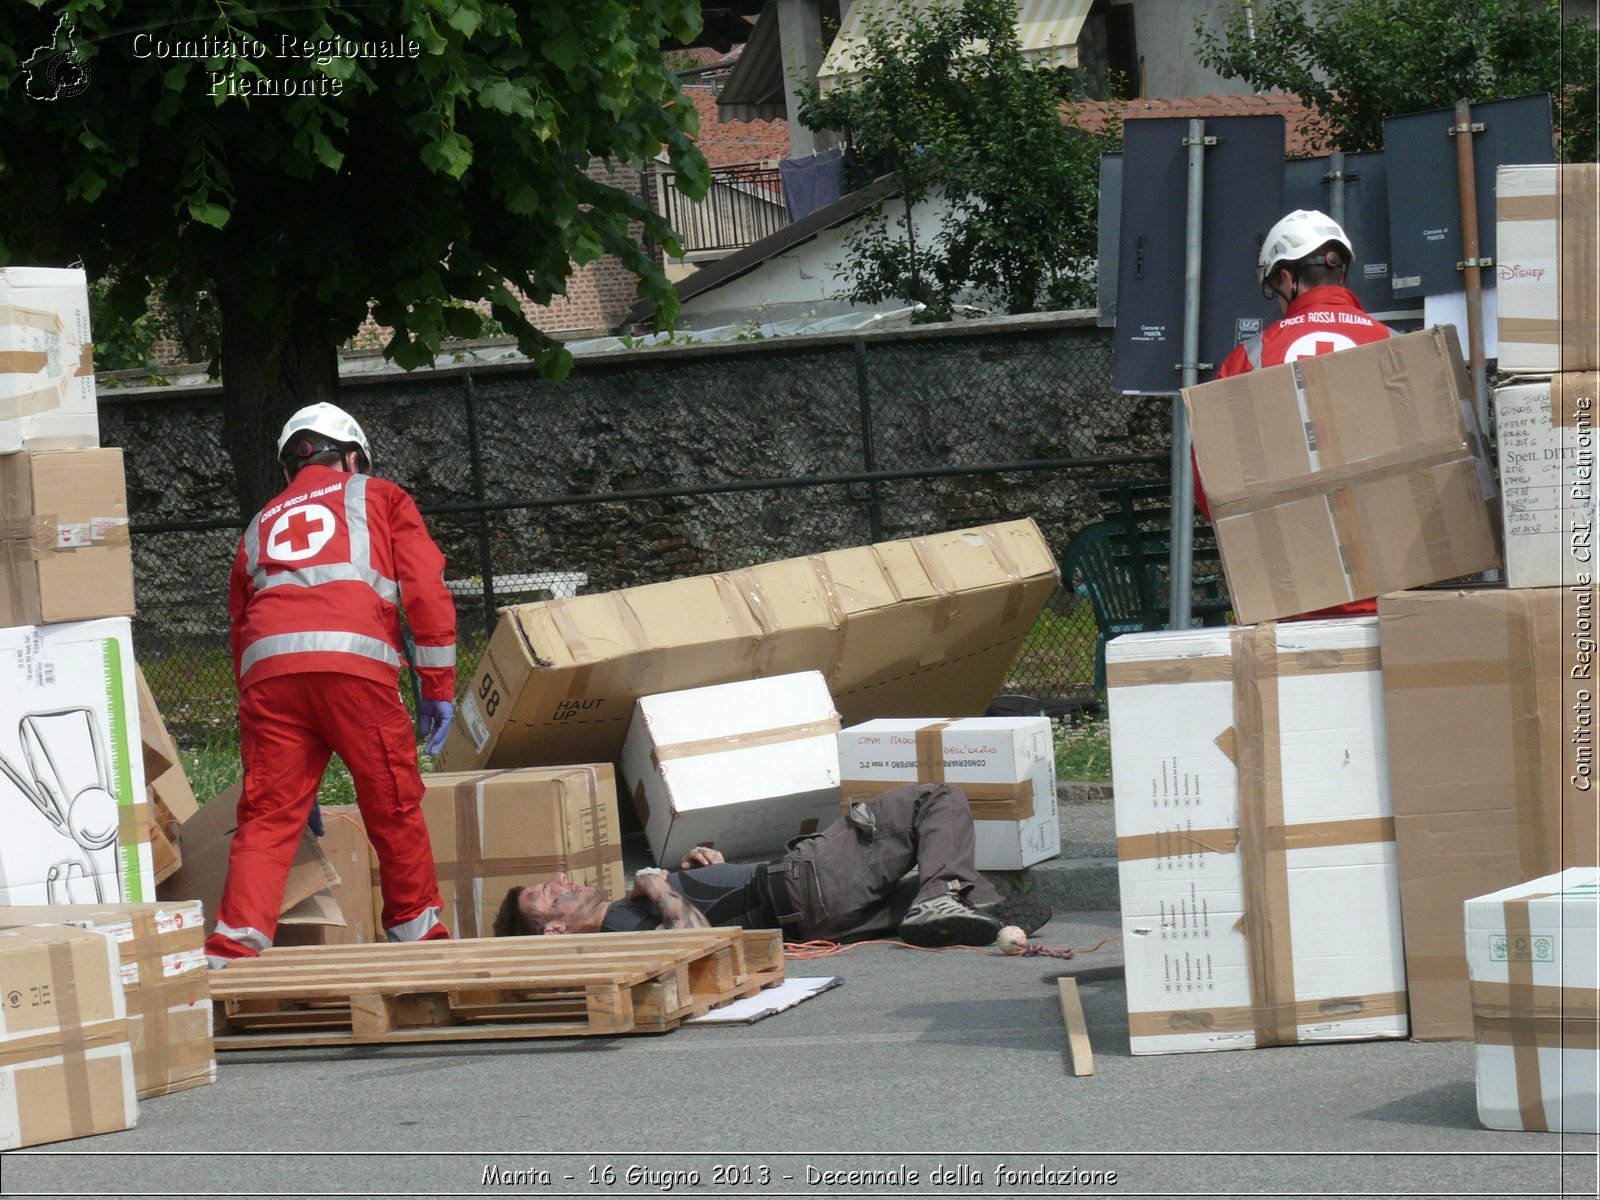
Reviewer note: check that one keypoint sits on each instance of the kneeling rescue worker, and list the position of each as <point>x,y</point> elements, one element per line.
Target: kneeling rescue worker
<point>315,596</point>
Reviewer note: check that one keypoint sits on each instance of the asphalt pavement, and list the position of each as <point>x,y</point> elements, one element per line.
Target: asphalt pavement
<point>923,1074</point>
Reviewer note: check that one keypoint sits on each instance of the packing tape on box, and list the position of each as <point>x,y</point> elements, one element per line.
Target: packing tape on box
<point>746,741</point>
<point>1291,1016</point>
<point>1219,667</point>
<point>836,614</point>
<point>1579,188</point>
<point>988,801</point>
<point>948,605</point>
<point>45,534</point>
<point>23,362</point>
<point>31,404</point>
<point>1556,1018</point>
<point>1183,843</point>
<point>74,1043</point>
<point>1574,399</point>
<point>1263,858</point>
<point>467,796</point>
<point>930,752</point>
<point>1008,566</point>
<point>749,587</point>
<point>642,654</point>
<point>577,645</point>
<point>1307,486</point>
<point>1520,997</point>
<point>146,998</point>
<point>1429,507</point>
<point>601,838</point>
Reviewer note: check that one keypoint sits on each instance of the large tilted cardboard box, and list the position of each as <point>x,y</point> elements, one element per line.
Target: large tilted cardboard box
<point>47,398</point>
<point>354,901</point>
<point>922,627</point>
<point>66,1070</point>
<point>1532,951</point>
<point>207,838</point>
<point>1005,765</point>
<point>1343,476</point>
<point>495,830</point>
<point>1547,271</point>
<point>64,552</point>
<point>1545,444</point>
<point>1497,781</point>
<point>73,798</point>
<point>1255,846</point>
<point>172,800</point>
<point>163,972</point>
<point>740,766</point>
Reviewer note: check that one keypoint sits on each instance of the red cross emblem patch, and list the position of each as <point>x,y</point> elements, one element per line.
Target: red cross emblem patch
<point>300,532</point>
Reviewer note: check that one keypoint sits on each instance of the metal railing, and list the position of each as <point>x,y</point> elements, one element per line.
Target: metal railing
<point>743,205</point>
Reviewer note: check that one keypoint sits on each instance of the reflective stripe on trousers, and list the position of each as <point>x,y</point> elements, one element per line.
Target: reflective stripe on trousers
<point>415,929</point>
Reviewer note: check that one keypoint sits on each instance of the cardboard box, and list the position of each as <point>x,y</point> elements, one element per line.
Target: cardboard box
<point>922,627</point>
<point>1544,441</point>
<point>207,838</point>
<point>171,798</point>
<point>495,830</point>
<point>1531,950</point>
<point>1548,269</point>
<point>1344,476</point>
<point>354,900</point>
<point>1005,765</point>
<point>64,537</point>
<point>1492,788</point>
<point>73,794</point>
<point>164,981</point>
<point>741,766</point>
<point>66,1070</point>
<point>47,398</point>
<point>1255,841</point>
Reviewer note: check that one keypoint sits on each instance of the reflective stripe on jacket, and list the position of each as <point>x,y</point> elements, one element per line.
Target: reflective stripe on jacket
<point>319,578</point>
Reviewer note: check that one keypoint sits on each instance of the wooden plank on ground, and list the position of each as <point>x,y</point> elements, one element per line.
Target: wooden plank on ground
<point>1077,1029</point>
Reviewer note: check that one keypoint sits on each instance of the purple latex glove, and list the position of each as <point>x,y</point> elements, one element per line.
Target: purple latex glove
<point>314,821</point>
<point>433,722</point>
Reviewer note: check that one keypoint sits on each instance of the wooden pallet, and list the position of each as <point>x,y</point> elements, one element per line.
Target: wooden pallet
<point>476,988</point>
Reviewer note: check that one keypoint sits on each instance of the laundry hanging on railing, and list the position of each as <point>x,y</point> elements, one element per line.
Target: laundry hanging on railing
<point>812,181</point>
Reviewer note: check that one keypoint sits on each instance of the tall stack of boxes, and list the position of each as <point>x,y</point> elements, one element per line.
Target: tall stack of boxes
<point>73,797</point>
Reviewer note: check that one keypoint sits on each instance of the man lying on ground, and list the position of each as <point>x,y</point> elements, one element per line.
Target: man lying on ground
<point>847,883</point>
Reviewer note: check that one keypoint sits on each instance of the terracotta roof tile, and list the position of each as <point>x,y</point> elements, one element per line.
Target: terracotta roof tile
<point>1094,114</point>
<point>736,141</point>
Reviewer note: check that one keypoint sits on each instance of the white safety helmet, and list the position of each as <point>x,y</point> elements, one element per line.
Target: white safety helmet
<point>332,422</point>
<point>1301,233</point>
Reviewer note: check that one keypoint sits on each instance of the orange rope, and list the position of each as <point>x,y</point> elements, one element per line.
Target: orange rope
<point>822,948</point>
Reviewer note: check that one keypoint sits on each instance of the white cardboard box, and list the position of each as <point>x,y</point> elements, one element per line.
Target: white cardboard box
<point>740,766</point>
<point>1545,445</point>
<point>72,794</point>
<point>1547,258</point>
<point>1255,837</point>
<point>1531,956</point>
<point>1005,765</point>
<point>47,398</point>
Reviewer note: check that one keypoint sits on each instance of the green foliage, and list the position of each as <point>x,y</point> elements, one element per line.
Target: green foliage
<point>298,161</point>
<point>1355,62</point>
<point>126,330</point>
<point>946,101</point>
<point>1083,750</point>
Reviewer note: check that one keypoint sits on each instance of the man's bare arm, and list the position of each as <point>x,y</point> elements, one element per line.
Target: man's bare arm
<point>676,912</point>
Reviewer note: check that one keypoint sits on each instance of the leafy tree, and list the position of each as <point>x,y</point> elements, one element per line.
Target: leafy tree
<point>945,100</point>
<point>1355,62</point>
<point>299,162</point>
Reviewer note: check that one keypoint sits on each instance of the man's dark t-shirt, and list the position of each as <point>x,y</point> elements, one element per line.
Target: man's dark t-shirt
<point>727,893</point>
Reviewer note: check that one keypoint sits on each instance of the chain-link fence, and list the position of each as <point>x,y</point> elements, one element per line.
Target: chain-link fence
<point>645,466</point>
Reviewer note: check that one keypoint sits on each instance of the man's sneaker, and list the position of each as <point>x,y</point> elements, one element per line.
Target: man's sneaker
<point>1027,913</point>
<point>948,921</point>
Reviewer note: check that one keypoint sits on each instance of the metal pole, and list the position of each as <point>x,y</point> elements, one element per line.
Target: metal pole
<point>485,551</point>
<point>869,461</point>
<point>1470,263</point>
<point>1181,565</point>
<point>1336,196</point>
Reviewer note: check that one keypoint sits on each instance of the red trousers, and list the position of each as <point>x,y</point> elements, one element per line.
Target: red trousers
<point>289,725</point>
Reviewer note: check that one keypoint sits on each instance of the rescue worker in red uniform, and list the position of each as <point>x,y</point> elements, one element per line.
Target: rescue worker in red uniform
<point>315,596</point>
<point>1302,266</point>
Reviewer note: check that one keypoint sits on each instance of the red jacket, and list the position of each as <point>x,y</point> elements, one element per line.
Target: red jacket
<point>319,578</point>
<point>1318,321</point>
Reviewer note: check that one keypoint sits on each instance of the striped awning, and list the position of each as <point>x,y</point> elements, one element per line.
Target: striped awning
<point>1048,30</point>
<point>754,90</point>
